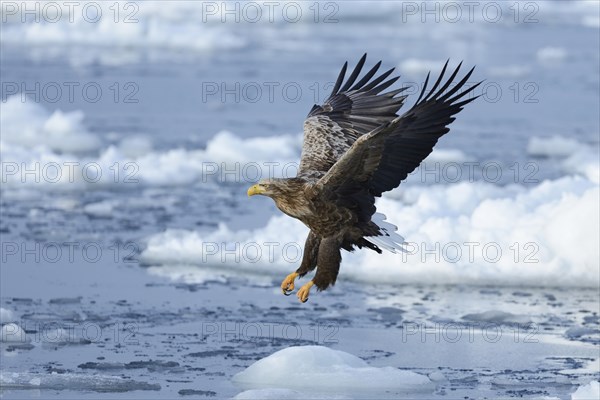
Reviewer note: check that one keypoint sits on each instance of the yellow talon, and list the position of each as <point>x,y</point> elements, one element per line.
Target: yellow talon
<point>288,283</point>
<point>304,291</point>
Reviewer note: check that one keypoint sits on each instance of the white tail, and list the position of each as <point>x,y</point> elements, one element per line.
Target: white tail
<point>389,239</point>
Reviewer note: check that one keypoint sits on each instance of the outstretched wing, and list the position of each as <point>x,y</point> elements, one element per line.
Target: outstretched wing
<point>382,159</point>
<point>351,111</point>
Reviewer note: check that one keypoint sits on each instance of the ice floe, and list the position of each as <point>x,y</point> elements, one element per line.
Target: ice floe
<point>462,233</point>
<point>587,392</point>
<point>13,333</point>
<point>321,369</point>
<point>6,316</point>
<point>71,381</point>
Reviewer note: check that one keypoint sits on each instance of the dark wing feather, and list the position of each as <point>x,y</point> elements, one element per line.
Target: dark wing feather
<point>353,109</point>
<point>418,130</point>
<point>380,160</point>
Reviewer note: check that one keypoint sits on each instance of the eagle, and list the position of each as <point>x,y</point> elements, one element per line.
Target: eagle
<point>355,148</point>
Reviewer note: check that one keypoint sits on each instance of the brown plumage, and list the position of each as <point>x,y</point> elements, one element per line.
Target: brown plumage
<point>355,148</point>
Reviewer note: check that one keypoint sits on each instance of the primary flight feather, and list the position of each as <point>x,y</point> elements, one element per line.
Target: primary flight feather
<point>355,148</point>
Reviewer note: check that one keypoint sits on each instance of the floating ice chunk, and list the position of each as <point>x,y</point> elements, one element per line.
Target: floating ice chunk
<point>446,156</point>
<point>284,394</point>
<point>256,251</point>
<point>587,392</point>
<point>584,162</point>
<point>510,71</point>
<point>64,203</point>
<point>325,370</point>
<point>13,333</point>
<point>59,146</point>
<point>71,381</point>
<point>553,146</point>
<point>6,316</point>
<point>28,124</point>
<point>102,209</point>
<point>418,67</point>
<point>230,148</point>
<point>497,317</point>
<point>551,55</point>
<point>539,217</point>
<point>438,376</point>
<point>153,28</point>
<point>591,21</point>
<point>62,124</point>
<point>135,146</point>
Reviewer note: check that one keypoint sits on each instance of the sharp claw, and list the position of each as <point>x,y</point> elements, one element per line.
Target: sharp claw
<point>304,292</point>
<point>287,286</point>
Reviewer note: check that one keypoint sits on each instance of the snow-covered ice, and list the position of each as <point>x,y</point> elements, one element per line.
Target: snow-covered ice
<point>526,232</point>
<point>550,55</point>
<point>29,124</point>
<point>13,333</point>
<point>321,369</point>
<point>587,392</point>
<point>6,316</point>
<point>554,146</point>
<point>64,152</point>
<point>498,317</point>
<point>61,381</point>
<point>284,394</point>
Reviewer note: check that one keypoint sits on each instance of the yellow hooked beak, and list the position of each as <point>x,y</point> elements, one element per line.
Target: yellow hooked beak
<point>256,189</point>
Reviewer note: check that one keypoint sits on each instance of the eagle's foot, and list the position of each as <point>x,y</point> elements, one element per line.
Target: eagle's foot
<point>304,291</point>
<point>287,286</point>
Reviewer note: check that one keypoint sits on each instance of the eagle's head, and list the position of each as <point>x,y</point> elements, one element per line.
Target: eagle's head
<point>288,194</point>
<point>279,188</point>
<point>266,187</point>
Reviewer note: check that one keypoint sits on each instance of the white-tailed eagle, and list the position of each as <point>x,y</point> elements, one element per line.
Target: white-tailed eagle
<point>355,148</point>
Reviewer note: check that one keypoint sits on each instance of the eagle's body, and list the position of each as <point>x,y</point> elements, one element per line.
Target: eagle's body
<point>355,148</point>
<point>303,201</point>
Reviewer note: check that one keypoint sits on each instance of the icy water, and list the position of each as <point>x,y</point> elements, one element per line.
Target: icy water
<point>123,331</point>
<point>158,279</point>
